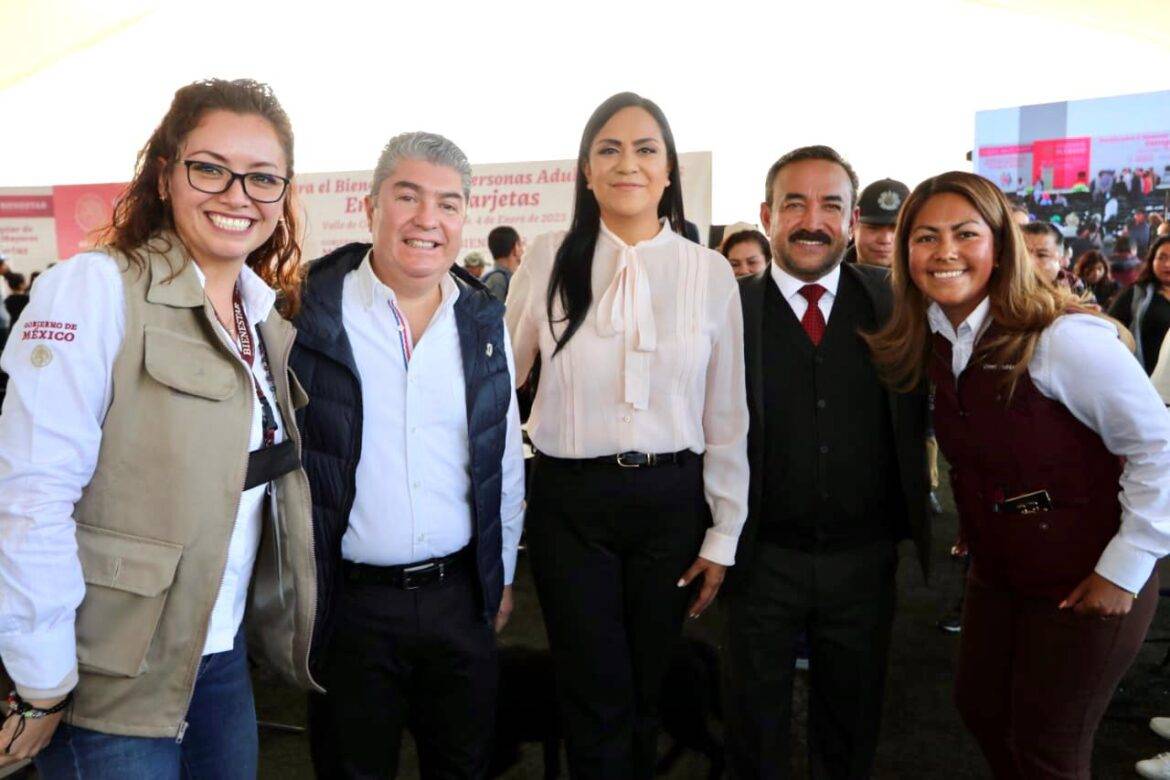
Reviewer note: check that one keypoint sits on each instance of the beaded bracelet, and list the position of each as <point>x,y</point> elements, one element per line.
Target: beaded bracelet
<point>21,708</point>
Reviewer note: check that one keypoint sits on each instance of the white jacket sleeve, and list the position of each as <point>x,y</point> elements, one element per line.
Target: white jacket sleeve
<point>512,493</point>
<point>59,359</point>
<point>1081,363</point>
<point>726,474</point>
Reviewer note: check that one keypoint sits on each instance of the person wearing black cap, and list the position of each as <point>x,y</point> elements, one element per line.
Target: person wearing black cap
<point>873,241</point>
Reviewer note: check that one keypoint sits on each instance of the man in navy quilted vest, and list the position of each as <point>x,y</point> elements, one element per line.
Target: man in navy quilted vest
<point>412,447</point>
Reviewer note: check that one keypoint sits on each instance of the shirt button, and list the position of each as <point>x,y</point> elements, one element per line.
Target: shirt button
<point>824,449</point>
<point>415,485</point>
<point>818,360</point>
<point>413,429</point>
<point>626,418</point>
<point>820,403</point>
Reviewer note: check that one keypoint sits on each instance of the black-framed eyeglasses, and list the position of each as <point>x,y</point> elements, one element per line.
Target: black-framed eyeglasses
<point>213,179</point>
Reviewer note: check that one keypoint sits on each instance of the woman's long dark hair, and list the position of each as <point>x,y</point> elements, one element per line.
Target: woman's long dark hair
<point>1147,274</point>
<point>572,271</point>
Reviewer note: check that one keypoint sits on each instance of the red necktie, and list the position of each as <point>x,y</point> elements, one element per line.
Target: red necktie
<point>813,321</point>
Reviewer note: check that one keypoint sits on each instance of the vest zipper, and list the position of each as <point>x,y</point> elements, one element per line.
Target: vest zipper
<point>293,432</point>
<point>227,547</point>
<point>270,496</point>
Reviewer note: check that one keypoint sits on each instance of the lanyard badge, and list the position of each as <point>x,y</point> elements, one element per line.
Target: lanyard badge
<point>248,353</point>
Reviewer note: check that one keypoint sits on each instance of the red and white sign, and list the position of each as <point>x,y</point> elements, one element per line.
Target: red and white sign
<point>40,226</point>
<point>1009,166</point>
<point>28,234</point>
<point>532,197</point>
<point>82,212</point>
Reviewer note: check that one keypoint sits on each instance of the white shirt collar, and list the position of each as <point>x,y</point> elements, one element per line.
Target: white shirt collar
<point>258,297</point>
<point>790,286</point>
<point>373,291</point>
<point>663,235</point>
<point>971,328</point>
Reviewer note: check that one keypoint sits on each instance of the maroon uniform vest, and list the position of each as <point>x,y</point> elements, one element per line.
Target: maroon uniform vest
<point>998,451</point>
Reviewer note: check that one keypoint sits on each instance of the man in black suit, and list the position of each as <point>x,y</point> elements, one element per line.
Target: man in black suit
<point>838,478</point>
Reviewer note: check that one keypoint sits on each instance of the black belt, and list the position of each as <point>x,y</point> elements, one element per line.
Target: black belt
<point>409,576</point>
<point>629,460</point>
<point>268,463</point>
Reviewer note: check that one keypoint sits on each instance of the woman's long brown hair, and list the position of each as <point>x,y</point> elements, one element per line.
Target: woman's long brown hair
<point>1022,303</point>
<point>140,212</point>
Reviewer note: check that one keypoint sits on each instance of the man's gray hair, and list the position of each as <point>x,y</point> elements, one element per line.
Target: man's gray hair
<point>428,147</point>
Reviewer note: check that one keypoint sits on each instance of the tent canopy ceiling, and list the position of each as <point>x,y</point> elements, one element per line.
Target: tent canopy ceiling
<point>893,85</point>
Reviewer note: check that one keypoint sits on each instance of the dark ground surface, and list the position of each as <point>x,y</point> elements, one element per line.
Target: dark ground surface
<point>921,733</point>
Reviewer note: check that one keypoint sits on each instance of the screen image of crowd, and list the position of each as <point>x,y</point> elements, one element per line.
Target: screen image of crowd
<point>874,483</point>
<point>1116,213</point>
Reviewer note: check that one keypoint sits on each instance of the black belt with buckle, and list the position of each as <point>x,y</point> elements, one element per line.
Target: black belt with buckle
<point>629,460</point>
<point>409,576</point>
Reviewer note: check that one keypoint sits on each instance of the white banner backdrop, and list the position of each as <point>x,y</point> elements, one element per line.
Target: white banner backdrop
<point>533,197</point>
<point>28,233</point>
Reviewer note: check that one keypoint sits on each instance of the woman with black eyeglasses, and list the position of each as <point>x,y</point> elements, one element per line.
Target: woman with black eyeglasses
<point>150,485</point>
<point>640,418</point>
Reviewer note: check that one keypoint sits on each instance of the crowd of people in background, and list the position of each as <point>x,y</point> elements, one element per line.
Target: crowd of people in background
<point>14,291</point>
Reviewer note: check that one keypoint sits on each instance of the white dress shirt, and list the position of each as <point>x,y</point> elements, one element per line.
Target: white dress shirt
<point>790,288</point>
<point>50,434</point>
<point>413,476</point>
<point>657,366</point>
<point>1080,362</point>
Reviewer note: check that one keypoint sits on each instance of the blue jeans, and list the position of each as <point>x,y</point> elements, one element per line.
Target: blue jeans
<point>220,742</point>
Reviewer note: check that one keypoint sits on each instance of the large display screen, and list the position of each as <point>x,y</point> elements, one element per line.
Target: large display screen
<point>1079,145</point>
<point>1098,169</point>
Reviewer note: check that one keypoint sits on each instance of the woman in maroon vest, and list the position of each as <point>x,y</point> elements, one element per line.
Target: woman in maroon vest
<point>1060,462</point>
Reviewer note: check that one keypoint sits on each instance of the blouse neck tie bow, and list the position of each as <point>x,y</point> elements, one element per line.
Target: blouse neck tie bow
<point>625,307</point>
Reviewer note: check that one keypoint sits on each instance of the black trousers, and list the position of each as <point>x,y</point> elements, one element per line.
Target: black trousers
<point>608,546</point>
<point>419,659</point>
<point>845,602</point>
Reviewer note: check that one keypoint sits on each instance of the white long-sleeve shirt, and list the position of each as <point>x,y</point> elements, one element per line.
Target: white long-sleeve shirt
<point>657,366</point>
<point>414,433</point>
<point>59,390</point>
<point>1080,362</point>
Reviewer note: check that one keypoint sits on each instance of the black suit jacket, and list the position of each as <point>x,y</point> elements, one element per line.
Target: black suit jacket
<point>907,412</point>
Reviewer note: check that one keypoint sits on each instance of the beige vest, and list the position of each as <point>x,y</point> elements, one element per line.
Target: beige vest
<point>154,523</point>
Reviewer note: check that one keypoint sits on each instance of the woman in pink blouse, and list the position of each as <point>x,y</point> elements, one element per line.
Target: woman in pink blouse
<point>640,420</point>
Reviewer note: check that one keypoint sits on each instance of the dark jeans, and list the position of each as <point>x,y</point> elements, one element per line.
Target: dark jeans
<point>845,601</point>
<point>608,546</point>
<point>419,659</point>
<point>1034,681</point>
<point>220,742</point>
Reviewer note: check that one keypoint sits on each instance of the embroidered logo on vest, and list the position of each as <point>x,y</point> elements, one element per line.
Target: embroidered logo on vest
<point>41,356</point>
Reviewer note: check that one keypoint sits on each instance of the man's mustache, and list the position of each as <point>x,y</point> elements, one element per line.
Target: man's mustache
<point>805,235</point>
